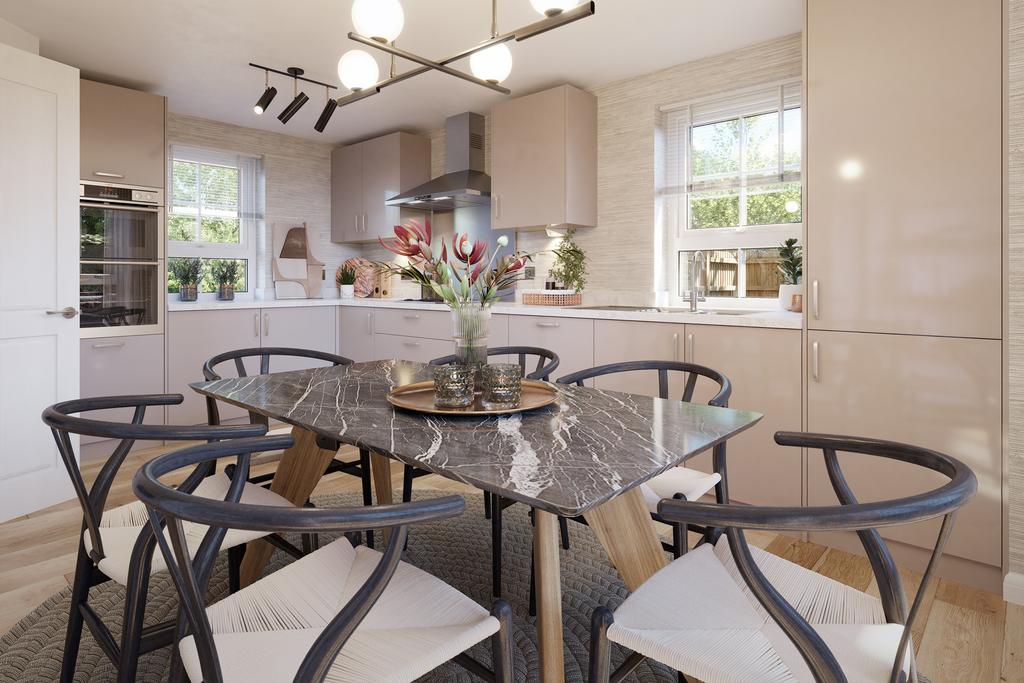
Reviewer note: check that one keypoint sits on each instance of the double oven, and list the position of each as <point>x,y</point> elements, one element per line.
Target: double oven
<point>122,260</point>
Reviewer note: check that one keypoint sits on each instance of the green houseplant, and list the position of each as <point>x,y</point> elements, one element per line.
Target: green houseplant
<point>225,273</point>
<point>187,271</point>
<point>345,277</point>
<point>570,268</point>
<point>791,269</point>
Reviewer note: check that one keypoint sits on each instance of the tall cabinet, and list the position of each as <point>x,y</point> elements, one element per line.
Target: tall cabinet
<point>903,253</point>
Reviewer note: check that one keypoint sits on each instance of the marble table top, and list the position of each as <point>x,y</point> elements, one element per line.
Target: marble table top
<point>566,458</point>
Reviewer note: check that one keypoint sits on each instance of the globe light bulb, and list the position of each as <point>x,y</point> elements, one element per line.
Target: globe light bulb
<point>493,64</point>
<point>379,19</point>
<point>550,8</point>
<point>358,70</point>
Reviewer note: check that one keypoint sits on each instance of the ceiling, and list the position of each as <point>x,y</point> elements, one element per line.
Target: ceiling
<point>196,52</point>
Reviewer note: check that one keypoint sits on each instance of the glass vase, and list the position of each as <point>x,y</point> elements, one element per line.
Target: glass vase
<point>471,328</point>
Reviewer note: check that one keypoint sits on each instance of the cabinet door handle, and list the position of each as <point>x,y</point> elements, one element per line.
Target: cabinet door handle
<point>546,324</point>
<point>675,347</point>
<point>409,343</point>
<point>355,218</point>
<point>689,349</point>
<point>106,174</point>
<point>815,369</point>
<point>108,345</point>
<point>412,316</point>
<point>256,325</point>
<point>364,221</point>
<point>369,323</point>
<point>814,300</point>
<point>497,206</point>
<point>266,324</point>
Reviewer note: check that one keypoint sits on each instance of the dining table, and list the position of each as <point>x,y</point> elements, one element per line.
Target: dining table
<point>586,454</point>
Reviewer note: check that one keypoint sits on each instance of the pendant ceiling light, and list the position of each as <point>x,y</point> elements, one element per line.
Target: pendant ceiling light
<point>358,70</point>
<point>381,20</point>
<point>296,74</point>
<point>551,8</point>
<point>493,64</point>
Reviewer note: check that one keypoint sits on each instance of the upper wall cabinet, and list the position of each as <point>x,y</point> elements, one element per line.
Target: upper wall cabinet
<point>903,166</point>
<point>544,160</point>
<point>365,175</point>
<point>122,135</point>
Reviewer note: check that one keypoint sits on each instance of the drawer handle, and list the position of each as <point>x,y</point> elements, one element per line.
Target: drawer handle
<point>543,324</point>
<point>108,345</point>
<point>408,343</point>
<point>412,316</point>
<point>106,174</point>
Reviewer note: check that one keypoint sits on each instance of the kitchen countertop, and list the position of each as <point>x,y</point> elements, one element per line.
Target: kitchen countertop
<point>767,318</point>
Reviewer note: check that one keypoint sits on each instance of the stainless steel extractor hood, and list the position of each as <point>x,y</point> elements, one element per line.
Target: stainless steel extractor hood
<point>464,182</point>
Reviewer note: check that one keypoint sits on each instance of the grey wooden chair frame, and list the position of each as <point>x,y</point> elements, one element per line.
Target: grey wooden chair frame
<point>849,515</point>
<point>135,640</point>
<point>356,468</point>
<point>168,507</point>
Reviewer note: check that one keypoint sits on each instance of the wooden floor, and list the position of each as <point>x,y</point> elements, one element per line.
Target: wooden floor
<point>963,634</point>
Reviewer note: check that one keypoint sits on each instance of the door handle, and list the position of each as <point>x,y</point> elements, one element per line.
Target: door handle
<point>66,312</point>
<point>814,300</point>
<point>106,174</point>
<point>266,324</point>
<point>544,324</point>
<point>364,221</point>
<point>689,349</point>
<point>256,325</point>
<point>675,347</point>
<point>108,345</point>
<point>355,217</point>
<point>369,323</point>
<point>815,369</point>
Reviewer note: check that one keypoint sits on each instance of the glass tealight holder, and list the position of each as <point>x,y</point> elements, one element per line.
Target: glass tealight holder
<point>502,385</point>
<point>453,385</point>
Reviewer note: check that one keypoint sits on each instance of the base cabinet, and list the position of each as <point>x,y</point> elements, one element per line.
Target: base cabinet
<point>355,333</point>
<point>937,392</point>
<point>298,328</point>
<point>617,341</point>
<point>571,338</point>
<point>419,349</point>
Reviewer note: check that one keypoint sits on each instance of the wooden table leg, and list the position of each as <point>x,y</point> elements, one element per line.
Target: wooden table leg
<point>298,473</point>
<point>380,471</point>
<point>547,575</point>
<point>624,527</point>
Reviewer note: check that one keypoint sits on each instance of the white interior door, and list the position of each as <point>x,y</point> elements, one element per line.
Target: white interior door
<point>38,273</point>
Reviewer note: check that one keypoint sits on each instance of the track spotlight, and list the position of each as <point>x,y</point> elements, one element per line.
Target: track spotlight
<point>266,97</point>
<point>326,114</point>
<point>300,97</point>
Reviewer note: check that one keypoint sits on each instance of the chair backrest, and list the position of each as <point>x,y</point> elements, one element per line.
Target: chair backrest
<point>849,515</point>
<point>547,361</point>
<point>692,371</point>
<point>238,356</point>
<point>169,506</point>
<point>62,421</point>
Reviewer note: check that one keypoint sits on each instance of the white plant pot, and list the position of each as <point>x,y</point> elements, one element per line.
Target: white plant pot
<point>786,293</point>
<point>347,291</point>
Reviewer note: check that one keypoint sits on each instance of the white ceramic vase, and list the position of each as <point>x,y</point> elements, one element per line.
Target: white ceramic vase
<point>347,291</point>
<point>786,293</point>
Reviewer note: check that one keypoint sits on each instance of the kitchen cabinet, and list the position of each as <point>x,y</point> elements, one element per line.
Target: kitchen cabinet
<point>117,366</point>
<point>904,189</point>
<point>764,367</point>
<point>355,333</point>
<point>617,341</point>
<point>122,135</point>
<point>544,160</point>
<point>419,349</point>
<point>571,338</point>
<point>301,327</point>
<point>935,392</point>
<point>413,323</point>
<point>365,175</point>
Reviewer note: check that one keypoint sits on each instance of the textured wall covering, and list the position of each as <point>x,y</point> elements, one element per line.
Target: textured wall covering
<point>1015,336</point>
<point>298,184</point>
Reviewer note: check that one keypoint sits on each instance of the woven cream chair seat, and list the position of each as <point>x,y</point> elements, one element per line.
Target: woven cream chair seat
<point>263,631</point>
<point>698,616</point>
<point>690,482</point>
<point>120,527</point>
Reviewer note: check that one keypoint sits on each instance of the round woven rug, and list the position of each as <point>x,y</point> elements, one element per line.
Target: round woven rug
<point>455,550</point>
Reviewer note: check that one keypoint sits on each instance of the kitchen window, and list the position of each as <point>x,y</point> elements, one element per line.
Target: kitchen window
<point>214,210</point>
<point>729,186</point>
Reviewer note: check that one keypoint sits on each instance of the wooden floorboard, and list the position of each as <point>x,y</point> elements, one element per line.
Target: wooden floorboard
<point>962,634</point>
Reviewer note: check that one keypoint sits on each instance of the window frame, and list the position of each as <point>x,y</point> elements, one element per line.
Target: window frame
<point>677,186</point>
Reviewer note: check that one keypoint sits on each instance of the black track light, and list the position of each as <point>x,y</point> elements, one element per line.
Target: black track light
<point>294,106</point>
<point>265,99</point>
<point>326,114</point>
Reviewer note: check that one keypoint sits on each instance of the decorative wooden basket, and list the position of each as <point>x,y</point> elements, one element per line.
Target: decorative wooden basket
<point>552,297</point>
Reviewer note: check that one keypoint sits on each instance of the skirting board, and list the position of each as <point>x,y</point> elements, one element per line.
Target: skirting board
<point>1013,588</point>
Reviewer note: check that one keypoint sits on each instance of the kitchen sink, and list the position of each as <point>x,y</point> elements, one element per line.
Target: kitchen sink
<point>662,309</point>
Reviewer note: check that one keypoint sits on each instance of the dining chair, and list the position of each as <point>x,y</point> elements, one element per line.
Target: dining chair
<point>357,468</point>
<point>342,613</point>
<point>726,612</point>
<point>116,544</point>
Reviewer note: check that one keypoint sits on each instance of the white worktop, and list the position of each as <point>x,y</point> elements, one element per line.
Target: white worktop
<point>767,318</point>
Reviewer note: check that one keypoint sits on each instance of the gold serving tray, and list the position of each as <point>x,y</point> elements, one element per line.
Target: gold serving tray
<point>419,397</point>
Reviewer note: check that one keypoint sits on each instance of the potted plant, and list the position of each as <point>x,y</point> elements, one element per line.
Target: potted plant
<point>569,271</point>
<point>791,268</point>
<point>345,277</point>
<point>464,277</point>
<point>225,274</point>
<point>187,272</point>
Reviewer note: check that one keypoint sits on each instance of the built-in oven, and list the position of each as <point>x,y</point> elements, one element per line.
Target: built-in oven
<point>122,260</point>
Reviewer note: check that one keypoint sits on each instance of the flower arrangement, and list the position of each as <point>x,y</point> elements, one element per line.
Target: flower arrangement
<point>464,276</point>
